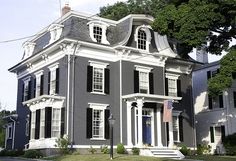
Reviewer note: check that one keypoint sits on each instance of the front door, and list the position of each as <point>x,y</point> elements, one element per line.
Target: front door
<point>147,138</point>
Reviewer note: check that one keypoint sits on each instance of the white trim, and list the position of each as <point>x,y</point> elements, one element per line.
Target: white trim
<point>38,73</point>
<point>146,29</point>
<point>98,64</point>
<point>98,105</point>
<point>55,32</point>
<point>172,76</point>
<point>28,49</point>
<point>26,79</point>
<point>143,68</point>
<point>159,130</point>
<point>129,126</point>
<point>140,122</point>
<point>121,103</point>
<point>53,66</point>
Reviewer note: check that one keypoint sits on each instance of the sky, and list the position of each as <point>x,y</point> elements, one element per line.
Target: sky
<point>22,18</point>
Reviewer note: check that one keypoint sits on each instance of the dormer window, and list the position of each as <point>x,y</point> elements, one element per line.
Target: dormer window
<point>143,37</point>
<point>55,32</point>
<point>97,31</point>
<point>28,49</point>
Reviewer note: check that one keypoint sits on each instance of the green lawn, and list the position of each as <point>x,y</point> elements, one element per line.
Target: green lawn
<point>105,157</point>
<point>213,158</point>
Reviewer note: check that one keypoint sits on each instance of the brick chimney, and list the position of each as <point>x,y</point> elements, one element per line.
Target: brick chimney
<point>65,9</point>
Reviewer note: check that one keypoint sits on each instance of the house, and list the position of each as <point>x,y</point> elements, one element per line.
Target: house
<point>215,116</point>
<point>82,68</point>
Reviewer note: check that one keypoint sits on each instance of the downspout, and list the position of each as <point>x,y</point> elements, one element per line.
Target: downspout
<point>13,138</point>
<point>68,94</point>
<point>121,117</point>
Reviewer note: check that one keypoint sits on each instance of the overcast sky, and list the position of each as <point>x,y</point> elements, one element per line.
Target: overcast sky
<point>21,18</point>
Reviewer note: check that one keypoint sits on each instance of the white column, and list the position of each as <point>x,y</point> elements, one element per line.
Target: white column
<point>159,139</point>
<point>140,122</point>
<point>129,127</point>
<point>171,136</point>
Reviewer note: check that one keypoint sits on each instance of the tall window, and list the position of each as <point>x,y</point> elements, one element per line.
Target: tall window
<point>9,131</point>
<point>98,79</point>
<point>142,38</point>
<point>143,82</point>
<point>53,80</point>
<point>97,33</point>
<point>26,89</point>
<point>172,87</point>
<point>217,134</point>
<point>33,119</point>
<point>98,123</point>
<point>42,123</point>
<point>175,121</point>
<point>56,122</point>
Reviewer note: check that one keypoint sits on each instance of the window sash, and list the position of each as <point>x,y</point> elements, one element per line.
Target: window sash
<point>53,82</point>
<point>172,87</point>
<point>38,82</point>
<point>33,119</point>
<point>143,82</point>
<point>142,39</point>
<point>97,33</point>
<point>175,123</point>
<point>42,123</point>
<point>98,123</point>
<point>98,79</point>
<point>56,122</point>
<point>26,90</point>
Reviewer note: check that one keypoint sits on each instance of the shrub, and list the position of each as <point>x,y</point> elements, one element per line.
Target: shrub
<point>120,149</point>
<point>185,151</point>
<point>12,153</point>
<point>104,149</point>
<point>135,151</point>
<point>33,154</point>
<point>62,144</point>
<point>92,150</point>
<point>230,144</point>
<point>203,149</point>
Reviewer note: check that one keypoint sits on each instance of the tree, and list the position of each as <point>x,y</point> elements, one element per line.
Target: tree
<point>191,23</point>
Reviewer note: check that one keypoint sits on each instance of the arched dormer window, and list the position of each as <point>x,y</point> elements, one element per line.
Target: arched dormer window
<point>55,32</point>
<point>28,49</point>
<point>143,37</point>
<point>97,31</point>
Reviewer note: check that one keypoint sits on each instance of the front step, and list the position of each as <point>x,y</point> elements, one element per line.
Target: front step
<point>162,153</point>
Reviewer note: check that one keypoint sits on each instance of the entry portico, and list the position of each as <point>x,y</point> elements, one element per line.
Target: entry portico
<point>144,114</point>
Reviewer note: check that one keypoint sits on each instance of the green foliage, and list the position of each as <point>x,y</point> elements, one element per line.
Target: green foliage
<point>92,150</point>
<point>104,149</point>
<point>230,144</point>
<point>135,151</point>
<point>185,151</point>
<point>203,149</point>
<point>33,154</point>
<point>11,153</point>
<point>62,144</point>
<point>224,78</point>
<point>120,149</point>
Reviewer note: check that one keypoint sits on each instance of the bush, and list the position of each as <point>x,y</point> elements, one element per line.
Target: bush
<point>92,150</point>
<point>203,149</point>
<point>11,153</point>
<point>33,154</point>
<point>120,149</point>
<point>230,144</point>
<point>104,149</point>
<point>62,144</point>
<point>185,151</point>
<point>135,151</point>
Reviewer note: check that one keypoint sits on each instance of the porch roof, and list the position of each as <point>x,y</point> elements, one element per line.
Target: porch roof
<point>149,97</point>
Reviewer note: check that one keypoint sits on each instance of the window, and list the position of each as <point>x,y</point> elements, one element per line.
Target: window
<point>33,119</point>
<point>234,99</point>
<point>142,38</point>
<point>98,78</point>
<point>28,49</point>
<point>97,33</point>
<point>26,95</point>
<point>27,126</point>
<point>39,84</point>
<point>217,102</point>
<point>175,121</point>
<point>212,73</point>
<point>55,32</point>
<point>217,134</point>
<point>9,131</point>
<point>172,85</point>
<point>172,90</point>
<point>53,80</point>
<point>97,121</point>
<point>56,122</point>
<point>42,123</point>
<point>143,80</point>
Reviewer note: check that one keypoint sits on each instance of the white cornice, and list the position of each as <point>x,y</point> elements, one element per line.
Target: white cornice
<point>43,98</point>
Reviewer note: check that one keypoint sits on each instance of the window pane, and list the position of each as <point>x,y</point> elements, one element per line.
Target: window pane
<point>33,124</point>
<point>38,79</point>
<point>142,39</point>
<point>98,127</point>
<point>97,33</point>
<point>53,82</point>
<point>217,131</point>
<point>172,87</point>
<point>42,123</point>
<point>98,76</point>
<point>143,82</point>
<point>56,122</point>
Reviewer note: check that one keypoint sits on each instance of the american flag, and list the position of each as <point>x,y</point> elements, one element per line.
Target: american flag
<point>167,116</point>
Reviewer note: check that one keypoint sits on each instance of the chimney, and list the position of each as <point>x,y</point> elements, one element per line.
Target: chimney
<point>65,9</point>
<point>201,54</point>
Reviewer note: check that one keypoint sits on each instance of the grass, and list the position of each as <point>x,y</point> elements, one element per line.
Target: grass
<point>213,158</point>
<point>105,157</point>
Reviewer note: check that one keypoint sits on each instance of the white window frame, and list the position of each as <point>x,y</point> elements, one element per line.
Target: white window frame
<point>26,88</point>
<point>103,26</point>
<point>53,68</point>
<point>56,122</point>
<point>176,114</point>
<point>102,66</point>
<point>28,49</point>
<point>174,78</point>
<point>33,122</point>
<point>55,32</point>
<point>27,130</point>
<point>42,123</point>
<point>146,29</point>
<point>102,108</point>
<point>38,83</point>
<point>8,133</point>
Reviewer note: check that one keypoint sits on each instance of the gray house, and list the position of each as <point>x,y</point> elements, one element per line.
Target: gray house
<point>82,68</point>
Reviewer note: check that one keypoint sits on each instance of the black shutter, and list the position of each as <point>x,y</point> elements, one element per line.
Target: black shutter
<point>34,90</point>
<point>49,81</point>
<point>151,84</point>
<point>89,78</point>
<point>209,102</point>
<point>222,133</point>
<point>89,122</point>
<point>234,75</point>
<point>167,133</point>
<point>23,92</point>
<point>208,74</point>
<point>107,114</point>
<point>57,80</point>
<point>30,113</point>
<point>234,99</point>
<point>41,84</point>
<point>221,102</point>
<point>48,122</point>
<point>37,124</point>
<point>166,87</point>
<point>212,134</point>
<point>29,90</point>
<point>107,81</point>
<point>179,93</point>
<point>136,81</point>
<point>62,121</point>
<point>181,129</point>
